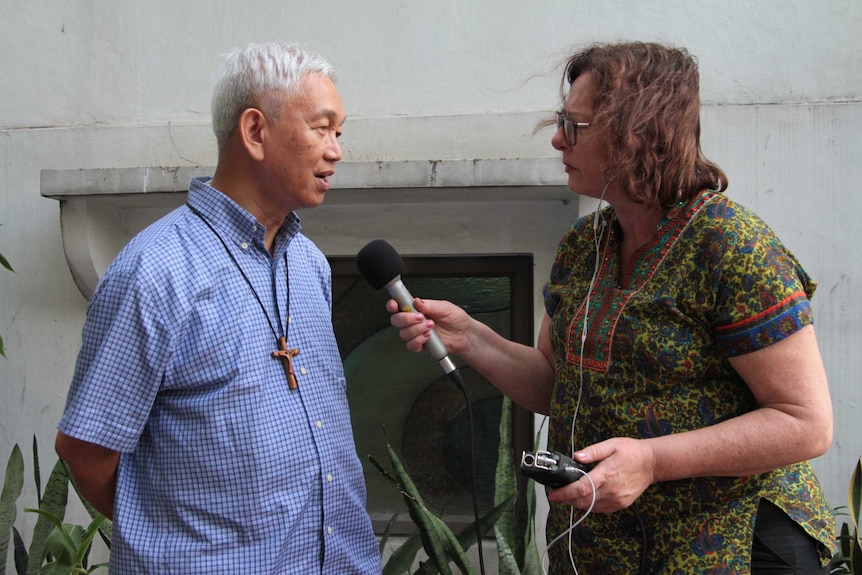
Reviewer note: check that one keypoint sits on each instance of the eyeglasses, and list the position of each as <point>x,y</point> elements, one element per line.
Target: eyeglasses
<point>570,127</point>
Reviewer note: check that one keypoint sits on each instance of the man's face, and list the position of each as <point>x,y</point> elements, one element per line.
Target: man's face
<point>301,149</point>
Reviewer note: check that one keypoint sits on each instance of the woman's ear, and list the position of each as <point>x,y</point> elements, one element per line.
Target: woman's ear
<point>252,127</point>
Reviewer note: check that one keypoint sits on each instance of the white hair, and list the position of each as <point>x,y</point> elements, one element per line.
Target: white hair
<point>255,77</point>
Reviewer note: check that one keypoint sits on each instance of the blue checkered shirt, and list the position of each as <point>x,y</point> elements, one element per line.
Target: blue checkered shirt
<point>223,469</point>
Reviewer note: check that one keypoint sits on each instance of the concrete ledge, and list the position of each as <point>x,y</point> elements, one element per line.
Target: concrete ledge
<point>101,209</point>
<point>528,172</point>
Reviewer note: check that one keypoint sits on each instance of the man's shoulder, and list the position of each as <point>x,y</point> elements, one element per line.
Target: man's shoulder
<point>169,254</point>
<point>155,243</point>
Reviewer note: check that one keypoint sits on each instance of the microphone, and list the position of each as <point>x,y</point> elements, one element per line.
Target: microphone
<point>381,266</point>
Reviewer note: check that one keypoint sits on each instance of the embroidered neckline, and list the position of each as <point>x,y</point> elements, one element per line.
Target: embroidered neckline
<point>608,298</point>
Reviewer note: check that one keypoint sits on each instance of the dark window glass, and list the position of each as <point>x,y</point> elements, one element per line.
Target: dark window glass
<point>405,399</point>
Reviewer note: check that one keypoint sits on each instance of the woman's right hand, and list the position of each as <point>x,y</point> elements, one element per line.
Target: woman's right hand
<point>522,372</point>
<point>450,322</point>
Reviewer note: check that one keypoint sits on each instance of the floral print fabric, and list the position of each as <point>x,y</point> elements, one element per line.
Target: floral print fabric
<point>652,360</point>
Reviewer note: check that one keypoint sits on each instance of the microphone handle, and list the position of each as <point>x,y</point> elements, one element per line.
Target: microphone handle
<point>434,345</point>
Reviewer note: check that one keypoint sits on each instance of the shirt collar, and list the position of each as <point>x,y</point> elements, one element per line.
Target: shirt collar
<point>234,221</point>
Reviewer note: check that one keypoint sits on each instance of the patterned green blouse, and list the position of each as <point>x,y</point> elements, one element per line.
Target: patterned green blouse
<point>714,282</point>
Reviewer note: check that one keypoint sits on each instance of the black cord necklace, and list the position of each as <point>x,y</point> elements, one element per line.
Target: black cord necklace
<point>283,353</point>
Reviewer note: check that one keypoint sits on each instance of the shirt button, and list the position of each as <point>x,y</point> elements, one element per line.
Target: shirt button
<point>329,530</point>
<point>244,245</point>
<point>329,477</point>
<point>319,424</point>
<point>302,370</point>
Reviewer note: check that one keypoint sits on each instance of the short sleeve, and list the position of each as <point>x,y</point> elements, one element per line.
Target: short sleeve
<point>764,293</point>
<point>124,351</point>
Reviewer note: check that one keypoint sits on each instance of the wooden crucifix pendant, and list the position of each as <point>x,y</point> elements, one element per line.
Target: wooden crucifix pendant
<point>286,356</point>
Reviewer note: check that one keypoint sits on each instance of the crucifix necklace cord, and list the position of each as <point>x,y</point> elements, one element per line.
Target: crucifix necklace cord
<point>283,352</point>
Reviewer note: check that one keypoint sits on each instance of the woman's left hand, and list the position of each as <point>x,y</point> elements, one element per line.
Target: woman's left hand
<point>623,469</point>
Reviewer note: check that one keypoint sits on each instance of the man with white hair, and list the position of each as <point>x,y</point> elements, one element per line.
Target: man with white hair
<point>208,415</point>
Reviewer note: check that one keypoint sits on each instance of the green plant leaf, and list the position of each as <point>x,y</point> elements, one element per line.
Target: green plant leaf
<point>505,486</point>
<point>856,560</point>
<point>53,505</point>
<point>467,537</point>
<point>387,532</point>
<point>63,544</point>
<point>37,469</point>
<point>855,501</point>
<point>5,263</point>
<point>87,537</point>
<point>532,559</point>
<point>50,543</point>
<point>13,483</point>
<point>20,553</point>
<point>402,558</point>
<point>383,471</point>
<point>437,539</point>
<point>507,564</point>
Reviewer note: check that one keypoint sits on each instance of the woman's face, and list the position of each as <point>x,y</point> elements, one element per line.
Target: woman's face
<point>585,160</point>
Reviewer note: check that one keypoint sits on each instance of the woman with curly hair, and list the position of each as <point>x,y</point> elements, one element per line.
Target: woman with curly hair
<point>677,359</point>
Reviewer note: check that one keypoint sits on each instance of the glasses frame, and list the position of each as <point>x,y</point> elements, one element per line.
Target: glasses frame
<point>570,127</point>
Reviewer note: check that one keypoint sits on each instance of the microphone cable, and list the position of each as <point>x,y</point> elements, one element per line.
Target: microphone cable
<point>455,376</point>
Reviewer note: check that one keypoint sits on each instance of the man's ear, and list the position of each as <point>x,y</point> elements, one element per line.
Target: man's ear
<point>252,131</point>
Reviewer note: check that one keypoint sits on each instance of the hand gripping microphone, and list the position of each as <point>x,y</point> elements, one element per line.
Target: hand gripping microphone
<point>381,266</point>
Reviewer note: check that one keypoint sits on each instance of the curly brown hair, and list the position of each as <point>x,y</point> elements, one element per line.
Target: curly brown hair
<point>647,102</point>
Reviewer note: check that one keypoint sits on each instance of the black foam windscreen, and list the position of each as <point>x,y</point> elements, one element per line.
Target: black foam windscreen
<point>379,263</point>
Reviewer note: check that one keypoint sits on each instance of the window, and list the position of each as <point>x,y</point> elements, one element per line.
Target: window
<point>405,399</point>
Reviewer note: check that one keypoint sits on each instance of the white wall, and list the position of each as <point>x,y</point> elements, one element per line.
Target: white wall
<point>99,84</point>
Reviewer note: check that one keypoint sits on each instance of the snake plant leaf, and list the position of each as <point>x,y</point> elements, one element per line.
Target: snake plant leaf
<point>506,562</point>
<point>5,263</point>
<point>438,540</point>
<point>402,558</point>
<point>37,469</point>
<point>855,500</point>
<point>467,537</point>
<point>87,538</point>
<point>53,505</point>
<point>383,471</point>
<point>505,484</point>
<point>13,483</point>
<point>532,559</point>
<point>387,532</point>
<point>855,510</point>
<point>57,543</point>
<point>20,553</point>
<point>63,544</point>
